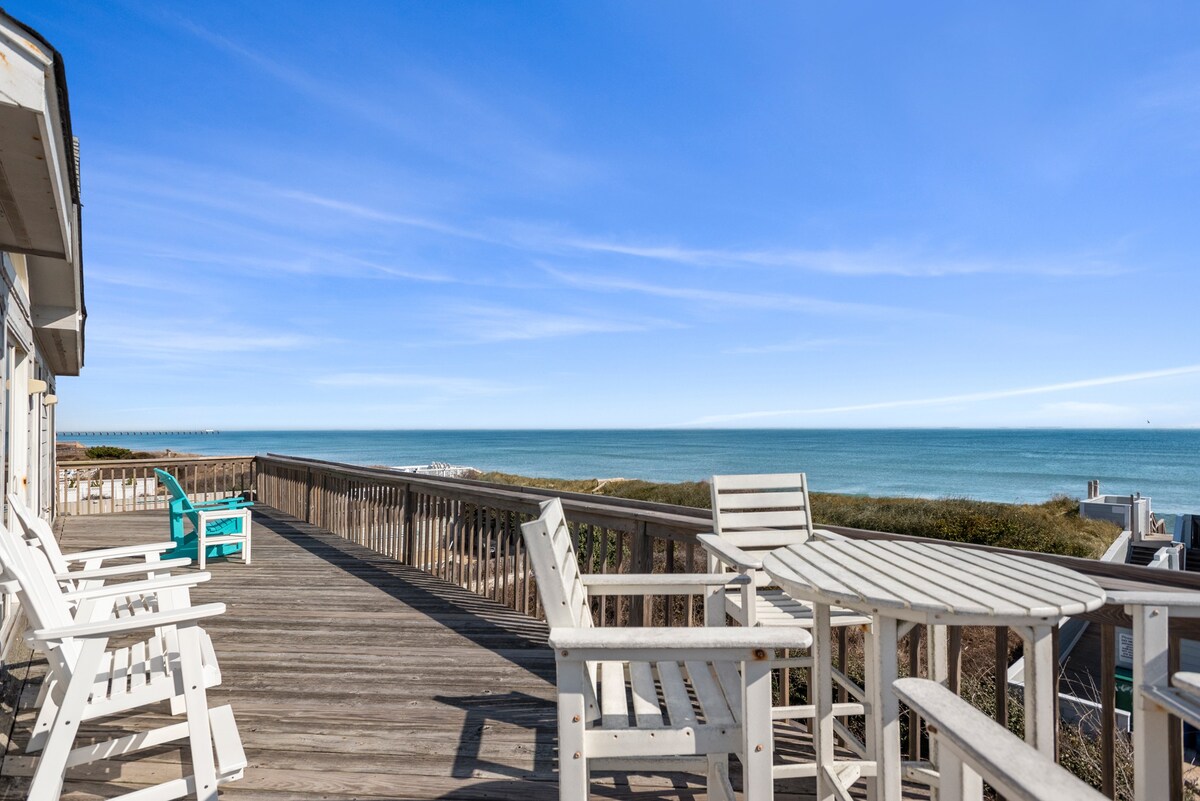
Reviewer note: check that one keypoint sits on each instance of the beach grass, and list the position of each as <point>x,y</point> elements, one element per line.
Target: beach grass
<point>1050,527</point>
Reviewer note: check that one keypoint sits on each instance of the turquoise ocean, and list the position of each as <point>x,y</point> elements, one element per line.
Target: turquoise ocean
<point>1009,465</point>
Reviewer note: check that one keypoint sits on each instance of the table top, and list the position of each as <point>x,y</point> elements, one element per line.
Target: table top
<point>931,582</point>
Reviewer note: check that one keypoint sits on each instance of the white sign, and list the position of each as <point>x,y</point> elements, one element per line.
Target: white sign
<point>1124,647</point>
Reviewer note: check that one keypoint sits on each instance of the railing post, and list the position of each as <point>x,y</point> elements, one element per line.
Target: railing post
<point>1175,734</point>
<point>1002,675</point>
<point>641,560</point>
<point>308,492</point>
<point>407,535</point>
<point>1108,710</point>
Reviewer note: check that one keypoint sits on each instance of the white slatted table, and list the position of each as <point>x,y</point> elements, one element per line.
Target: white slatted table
<point>933,585</point>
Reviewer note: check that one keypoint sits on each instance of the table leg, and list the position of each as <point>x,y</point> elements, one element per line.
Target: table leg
<point>821,692</point>
<point>1040,693</point>
<point>937,639</point>
<point>883,723</point>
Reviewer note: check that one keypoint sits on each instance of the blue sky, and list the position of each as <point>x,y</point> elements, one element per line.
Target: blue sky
<point>456,215</point>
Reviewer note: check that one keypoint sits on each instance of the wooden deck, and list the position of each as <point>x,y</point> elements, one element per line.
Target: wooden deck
<point>353,676</point>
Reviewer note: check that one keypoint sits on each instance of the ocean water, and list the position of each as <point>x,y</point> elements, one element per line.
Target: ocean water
<point>1009,465</point>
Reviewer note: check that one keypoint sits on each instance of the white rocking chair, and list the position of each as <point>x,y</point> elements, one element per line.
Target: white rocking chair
<point>697,694</point>
<point>89,680</point>
<point>91,570</point>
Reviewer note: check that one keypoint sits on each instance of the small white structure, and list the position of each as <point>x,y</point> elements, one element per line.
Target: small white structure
<point>437,469</point>
<point>1131,512</point>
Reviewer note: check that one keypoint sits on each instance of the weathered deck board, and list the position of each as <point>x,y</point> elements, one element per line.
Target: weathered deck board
<point>352,676</point>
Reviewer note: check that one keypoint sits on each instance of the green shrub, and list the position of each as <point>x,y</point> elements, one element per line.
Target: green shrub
<point>108,452</point>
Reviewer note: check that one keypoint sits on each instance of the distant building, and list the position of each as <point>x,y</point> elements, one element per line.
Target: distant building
<point>41,300</point>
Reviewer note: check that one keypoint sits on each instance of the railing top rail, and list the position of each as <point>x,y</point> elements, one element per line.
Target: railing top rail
<point>686,520</point>
<point>169,460</point>
<point>683,517</point>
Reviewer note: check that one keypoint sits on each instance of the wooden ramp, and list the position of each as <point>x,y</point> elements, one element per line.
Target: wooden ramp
<point>352,676</point>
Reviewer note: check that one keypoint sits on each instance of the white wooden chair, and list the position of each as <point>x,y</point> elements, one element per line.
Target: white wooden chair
<point>752,516</point>
<point>972,748</point>
<point>89,679</point>
<point>696,694</point>
<point>1157,694</point>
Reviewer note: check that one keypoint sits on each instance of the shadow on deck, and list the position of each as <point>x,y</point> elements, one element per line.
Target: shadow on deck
<point>353,676</point>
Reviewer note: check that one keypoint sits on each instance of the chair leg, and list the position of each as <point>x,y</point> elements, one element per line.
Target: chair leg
<point>718,778</point>
<point>572,758</point>
<point>758,749</point>
<point>47,710</point>
<point>201,546</point>
<point>196,697</point>
<point>246,531</point>
<point>52,765</point>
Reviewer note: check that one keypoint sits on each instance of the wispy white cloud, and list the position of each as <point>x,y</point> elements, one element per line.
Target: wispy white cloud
<point>791,346</point>
<point>848,262</point>
<point>501,324</point>
<point>166,340</point>
<point>853,262</point>
<point>1174,88</point>
<point>1124,378</point>
<point>381,215</point>
<point>727,298</point>
<point>454,123</point>
<point>450,385</point>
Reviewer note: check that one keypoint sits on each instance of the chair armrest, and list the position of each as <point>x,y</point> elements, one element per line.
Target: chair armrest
<point>1005,762</point>
<point>824,535</point>
<point>659,583</point>
<point>120,552</point>
<point>123,570</point>
<point>107,628</point>
<point>728,553</point>
<point>1182,604</point>
<point>226,503</point>
<point>138,587</point>
<point>707,643</point>
<point>219,513</point>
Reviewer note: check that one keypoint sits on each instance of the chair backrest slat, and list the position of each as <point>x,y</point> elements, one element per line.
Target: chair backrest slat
<point>41,596</point>
<point>38,528</point>
<point>179,498</point>
<point>548,541</point>
<point>762,512</point>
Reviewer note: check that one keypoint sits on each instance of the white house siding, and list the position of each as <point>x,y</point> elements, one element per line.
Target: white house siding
<point>41,280</point>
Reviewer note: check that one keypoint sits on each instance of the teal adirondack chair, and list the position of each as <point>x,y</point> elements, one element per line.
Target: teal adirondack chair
<point>218,528</point>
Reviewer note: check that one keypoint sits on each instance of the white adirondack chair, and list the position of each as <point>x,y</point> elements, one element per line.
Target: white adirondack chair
<point>93,571</point>
<point>972,748</point>
<point>1157,694</point>
<point>753,515</point>
<point>89,680</point>
<point>697,694</point>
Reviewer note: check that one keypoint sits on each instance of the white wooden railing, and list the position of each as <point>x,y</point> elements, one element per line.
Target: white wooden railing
<point>107,486</point>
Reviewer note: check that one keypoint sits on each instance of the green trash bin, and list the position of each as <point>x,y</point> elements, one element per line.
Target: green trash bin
<point>1124,678</point>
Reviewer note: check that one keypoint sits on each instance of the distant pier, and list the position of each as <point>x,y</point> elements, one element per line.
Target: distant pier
<point>64,434</point>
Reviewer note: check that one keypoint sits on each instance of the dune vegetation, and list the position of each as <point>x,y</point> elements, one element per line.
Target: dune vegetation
<point>1050,527</point>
